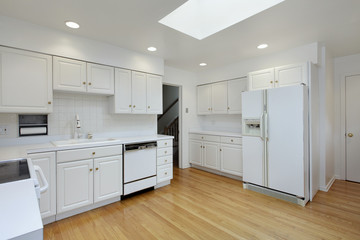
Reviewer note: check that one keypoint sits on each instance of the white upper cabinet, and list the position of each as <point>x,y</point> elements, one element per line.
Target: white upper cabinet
<point>69,75</point>
<point>154,94</point>
<point>219,101</point>
<point>262,79</point>
<point>121,101</point>
<point>235,88</point>
<point>25,81</point>
<point>78,76</point>
<point>290,75</point>
<point>278,77</point>
<point>100,79</point>
<point>138,92</point>
<point>204,99</point>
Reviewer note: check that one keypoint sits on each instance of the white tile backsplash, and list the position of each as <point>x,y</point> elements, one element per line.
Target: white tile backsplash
<point>94,116</point>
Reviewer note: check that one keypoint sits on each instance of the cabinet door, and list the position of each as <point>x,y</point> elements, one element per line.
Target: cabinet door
<point>195,152</point>
<point>154,94</point>
<point>211,155</point>
<point>138,92</point>
<point>290,75</point>
<point>121,101</point>
<point>235,88</point>
<point>107,178</point>
<point>25,81</point>
<point>74,185</point>
<point>100,79</point>
<point>261,79</point>
<point>204,99</point>
<point>219,92</point>
<point>231,159</point>
<point>47,162</point>
<point>69,75</point>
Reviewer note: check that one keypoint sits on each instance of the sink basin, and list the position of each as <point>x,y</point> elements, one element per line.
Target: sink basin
<point>72,142</point>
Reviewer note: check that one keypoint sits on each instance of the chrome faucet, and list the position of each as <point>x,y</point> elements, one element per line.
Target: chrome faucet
<point>77,128</point>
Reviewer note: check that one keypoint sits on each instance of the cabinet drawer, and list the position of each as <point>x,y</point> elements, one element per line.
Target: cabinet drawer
<point>210,138</point>
<point>164,173</point>
<point>231,140</point>
<point>164,151</point>
<point>86,153</point>
<point>164,160</point>
<point>165,143</point>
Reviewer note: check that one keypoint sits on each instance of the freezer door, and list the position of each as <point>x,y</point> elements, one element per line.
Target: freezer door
<point>253,167</point>
<point>287,139</point>
<point>252,104</point>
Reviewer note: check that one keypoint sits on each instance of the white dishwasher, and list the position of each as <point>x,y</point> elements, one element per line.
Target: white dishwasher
<point>139,166</point>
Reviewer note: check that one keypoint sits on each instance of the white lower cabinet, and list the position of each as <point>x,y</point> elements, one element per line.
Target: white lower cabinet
<point>231,159</point>
<point>107,178</point>
<point>222,153</point>
<point>164,161</point>
<point>47,163</point>
<point>74,184</point>
<point>87,176</point>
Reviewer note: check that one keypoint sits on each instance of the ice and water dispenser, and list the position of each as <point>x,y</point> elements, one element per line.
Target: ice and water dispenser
<point>251,127</point>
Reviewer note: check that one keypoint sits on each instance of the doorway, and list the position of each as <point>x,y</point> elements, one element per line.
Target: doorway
<point>352,128</point>
<point>169,121</point>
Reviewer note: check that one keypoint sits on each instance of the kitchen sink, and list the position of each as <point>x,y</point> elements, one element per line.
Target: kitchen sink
<point>72,142</point>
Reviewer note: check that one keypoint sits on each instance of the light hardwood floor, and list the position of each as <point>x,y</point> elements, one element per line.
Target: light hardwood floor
<point>201,205</point>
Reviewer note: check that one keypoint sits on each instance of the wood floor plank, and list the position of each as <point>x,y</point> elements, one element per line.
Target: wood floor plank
<point>201,205</point>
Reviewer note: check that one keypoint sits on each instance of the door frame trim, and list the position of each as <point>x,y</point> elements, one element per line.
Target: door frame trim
<point>342,164</point>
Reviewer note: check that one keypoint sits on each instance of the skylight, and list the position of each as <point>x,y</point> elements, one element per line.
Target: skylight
<point>202,18</point>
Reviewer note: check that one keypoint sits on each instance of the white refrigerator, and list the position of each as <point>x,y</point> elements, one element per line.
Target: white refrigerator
<point>275,139</point>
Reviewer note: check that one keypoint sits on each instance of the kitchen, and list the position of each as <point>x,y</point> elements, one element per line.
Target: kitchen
<point>94,111</point>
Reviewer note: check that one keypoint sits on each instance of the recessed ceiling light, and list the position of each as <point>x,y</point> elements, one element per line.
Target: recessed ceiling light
<point>202,64</point>
<point>71,24</point>
<point>200,19</point>
<point>262,46</point>
<point>152,49</point>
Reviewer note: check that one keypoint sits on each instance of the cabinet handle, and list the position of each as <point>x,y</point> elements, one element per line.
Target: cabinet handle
<point>148,106</point>
<point>165,152</point>
<point>130,106</point>
<point>134,106</point>
<point>89,83</point>
<point>276,81</point>
<point>91,169</point>
<point>220,149</point>
<point>202,137</point>
<point>93,153</point>
<point>271,81</point>
<point>209,109</point>
<point>165,173</point>
<point>166,143</point>
<point>228,108</point>
<point>49,102</point>
<point>97,169</point>
<point>232,140</point>
<point>165,160</point>
<point>350,135</point>
<point>84,83</point>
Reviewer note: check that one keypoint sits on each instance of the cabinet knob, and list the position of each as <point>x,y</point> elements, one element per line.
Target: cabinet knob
<point>166,143</point>
<point>350,135</point>
<point>84,83</point>
<point>49,102</point>
<point>276,81</point>
<point>130,106</point>
<point>231,140</point>
<point>91,169</point>
<point>148,106</point>
<point>134,106</point>
<point>209,109</point>
<point>202,137</point>
<point>93,153</point>
<point>165,160</point>
<point>271,81</point>
<point>165,152</point>
<point>89,83</point>
<point>165,173</point>
<point>228,108</point>
<point>97,169</point>
<point>220,149</point>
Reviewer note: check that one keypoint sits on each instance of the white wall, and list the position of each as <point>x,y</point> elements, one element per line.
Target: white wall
<point>187,81</point>
<point>343,66</point>
<point>94,115</point>
<point>240,69</point>
<point>24,35</point>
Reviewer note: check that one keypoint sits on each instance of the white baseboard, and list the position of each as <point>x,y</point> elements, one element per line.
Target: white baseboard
<point>217,172</point>
<point>328,186</point>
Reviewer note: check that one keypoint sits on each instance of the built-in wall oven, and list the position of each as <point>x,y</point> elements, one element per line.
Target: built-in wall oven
<point>139,166</point>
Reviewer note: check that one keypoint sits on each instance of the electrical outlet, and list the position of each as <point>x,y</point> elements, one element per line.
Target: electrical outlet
<point>3,130</point>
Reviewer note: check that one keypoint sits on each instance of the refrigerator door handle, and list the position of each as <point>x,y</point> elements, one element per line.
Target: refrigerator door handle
<point>262,126</point>
<point>266,133</point>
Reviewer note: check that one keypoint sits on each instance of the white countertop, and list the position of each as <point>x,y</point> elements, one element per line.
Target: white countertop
<point>21,151</point>
<point>19,211</point>
<point>217,133</point>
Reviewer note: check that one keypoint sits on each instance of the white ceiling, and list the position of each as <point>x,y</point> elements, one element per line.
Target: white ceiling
<point>133,24</point>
